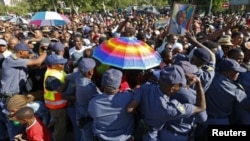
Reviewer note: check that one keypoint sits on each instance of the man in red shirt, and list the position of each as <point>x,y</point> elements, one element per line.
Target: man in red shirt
<point>35,129</point>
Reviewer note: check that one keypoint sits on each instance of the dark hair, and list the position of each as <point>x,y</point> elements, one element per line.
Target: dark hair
<point>78,36</point>
<point>25,112</point>
<point>165,52</point>
<point>210,44</point>
<point>234,51</point>
<point>236,33</point>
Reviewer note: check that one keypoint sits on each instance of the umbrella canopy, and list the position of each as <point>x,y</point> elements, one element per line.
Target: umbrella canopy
<point>152,10</point>
<point>127,53</point>
<point>49,18</point>
<point>18,20</point>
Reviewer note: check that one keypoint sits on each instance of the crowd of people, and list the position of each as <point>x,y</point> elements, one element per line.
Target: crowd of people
<point>51,84</point>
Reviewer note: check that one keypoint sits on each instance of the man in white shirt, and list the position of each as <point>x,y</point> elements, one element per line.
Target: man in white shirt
<point>79,47</point>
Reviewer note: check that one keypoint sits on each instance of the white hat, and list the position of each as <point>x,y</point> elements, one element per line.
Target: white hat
<point>3,42</point>
<point>177,46</point>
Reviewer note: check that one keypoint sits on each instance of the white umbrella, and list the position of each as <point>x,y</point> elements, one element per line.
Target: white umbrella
<point>48,18</point>
<point>18,20</point>
<point>152,10</point>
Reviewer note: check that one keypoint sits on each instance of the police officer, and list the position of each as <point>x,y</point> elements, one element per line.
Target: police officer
<point>85,89</point>
<point>156,107</point>
<point>54,85</point>
<point>58,48</point>
<point>111,121</point>
<point>180,129</point>
<point>241,116</point>
<point>204,59</point>
<point>224,86</point>
<point>14,79</point>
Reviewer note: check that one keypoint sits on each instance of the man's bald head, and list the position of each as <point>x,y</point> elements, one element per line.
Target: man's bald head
<point>13,41</point>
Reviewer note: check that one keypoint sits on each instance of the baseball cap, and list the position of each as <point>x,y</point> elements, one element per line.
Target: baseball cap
<point>180,57</point>
<point>173,75</point>
<point>112,77</point>
<point>3,42</point>
<point>86,64</point>
<point>188,67</point>
<point>21,47</point>
<point>45,42</point>
<point>58,46</point>
<point>202,54</point>
<point>228,64</point>
<point>55,59</point>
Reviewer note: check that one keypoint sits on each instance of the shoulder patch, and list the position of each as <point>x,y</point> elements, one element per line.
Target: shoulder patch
<point>14,56</point>
<point>180,107</point>
<point>208,68</point>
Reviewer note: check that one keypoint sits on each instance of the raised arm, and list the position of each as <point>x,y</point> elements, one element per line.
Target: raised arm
<point>37,61</point>
<point>200,104</point>
<point>191,37</point>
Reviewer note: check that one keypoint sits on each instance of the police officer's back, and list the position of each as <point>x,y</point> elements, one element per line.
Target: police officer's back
<point>111,121</point>
<point>181,129</point>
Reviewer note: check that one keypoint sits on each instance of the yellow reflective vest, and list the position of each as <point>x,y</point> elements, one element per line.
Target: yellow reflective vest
<point>53,99</point>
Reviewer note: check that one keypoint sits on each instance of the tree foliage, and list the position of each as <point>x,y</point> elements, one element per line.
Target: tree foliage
<point>93,5</point>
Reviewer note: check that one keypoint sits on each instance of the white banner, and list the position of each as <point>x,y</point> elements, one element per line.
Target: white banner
<point>238,2</point>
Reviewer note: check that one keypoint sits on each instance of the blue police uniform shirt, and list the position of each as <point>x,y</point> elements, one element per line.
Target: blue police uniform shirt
<point>157,109</point>
<point>222,96</point>
<point>85,89</point>
<point>240,115</point>
<point>206,75</point>
<point>111,121</point>
<point>184,125</point>
<point>14,75</point>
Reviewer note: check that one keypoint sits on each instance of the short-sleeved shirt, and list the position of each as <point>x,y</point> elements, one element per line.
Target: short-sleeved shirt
<point>184,125</point>
<point>222,96</point>
<point>38,132</point>
<point>85,90</point>
<point>14,75</point>
<point>73,50</point>
<point>157,109</point>
<point>240,115</point>
<point>206,75</point>
<point>111,121</point>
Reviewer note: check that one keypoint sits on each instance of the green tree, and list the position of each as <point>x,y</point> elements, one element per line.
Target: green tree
<point>40,5</point>
<point>3,9</point>
<point>20,9</point>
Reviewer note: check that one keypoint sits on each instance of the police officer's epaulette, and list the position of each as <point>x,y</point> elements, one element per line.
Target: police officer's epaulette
<point>208,68</point>
<point>180,107</point>
<point>14,56</point>
<point>153,82</point>
<point>130,90</point>
<point>239,86</point>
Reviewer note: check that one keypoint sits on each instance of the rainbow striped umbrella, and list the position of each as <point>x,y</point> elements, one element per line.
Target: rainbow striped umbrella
<point>127,53</point>
<point>48,18</point>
